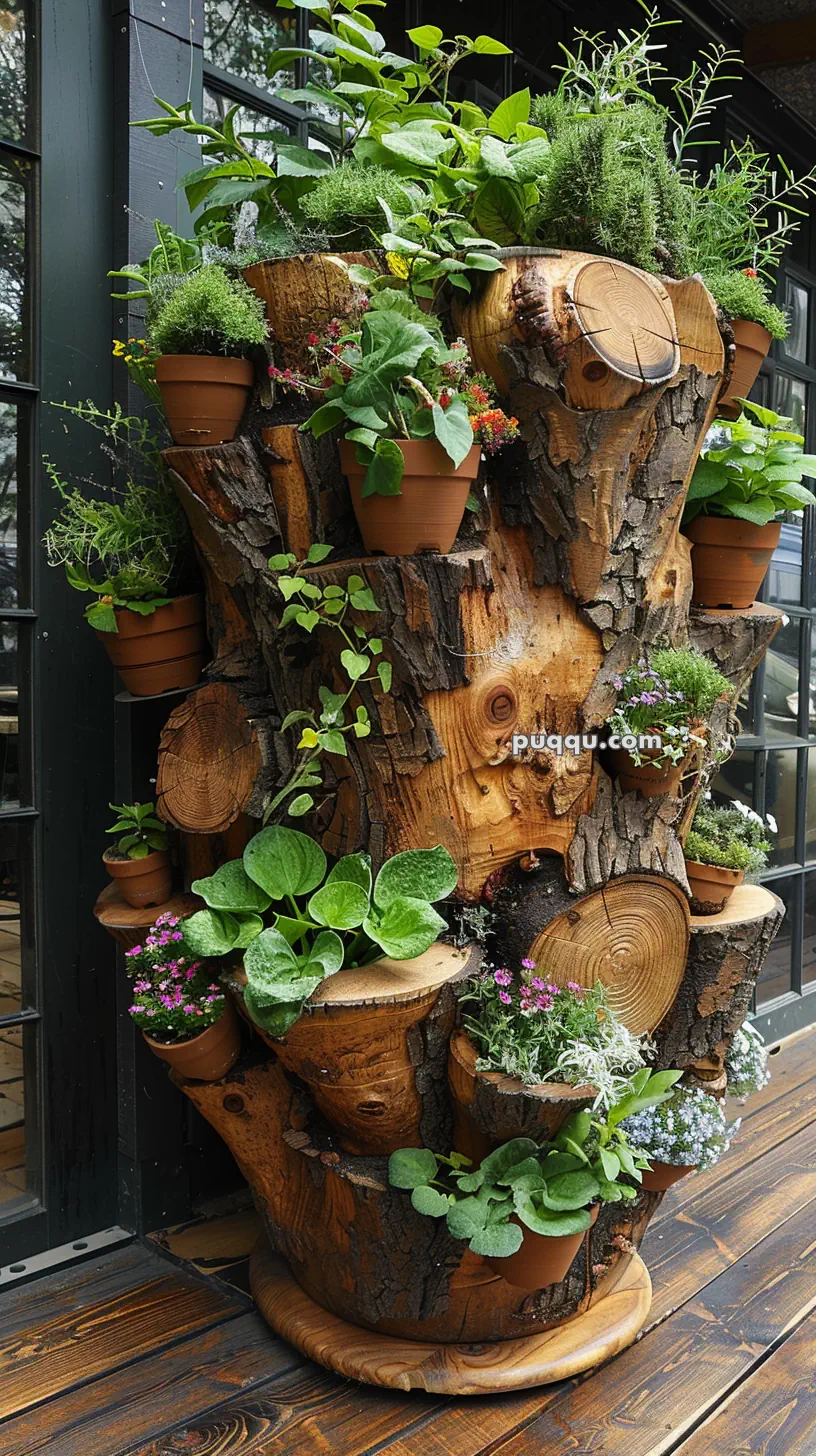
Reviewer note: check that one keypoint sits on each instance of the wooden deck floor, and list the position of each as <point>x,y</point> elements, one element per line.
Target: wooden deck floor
<point>139,1354</point>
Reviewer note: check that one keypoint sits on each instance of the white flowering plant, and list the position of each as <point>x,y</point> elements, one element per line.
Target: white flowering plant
<point>527,1027</point>
<point>689,1130</point>
<point>747,1063</point>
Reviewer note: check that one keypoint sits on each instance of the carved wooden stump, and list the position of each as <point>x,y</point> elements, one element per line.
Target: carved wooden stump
<point>573,563</point>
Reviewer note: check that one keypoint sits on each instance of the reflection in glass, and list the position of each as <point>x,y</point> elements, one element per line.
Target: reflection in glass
<point>257,132</point>
<point>12,1116</point>
<point>13,83</point>
<point>782,683</point>
<point>775,975</point>
<point>9,719</point>
<point>780,804</point>
<point>11,999</point>
<point>809,935</point>
<point>9,423</point>
<point>784,580</point>
<point>13,352</point>
<point>797,298</point>
<point>240,34</point>
<point>735,779</point>
<point>791,400</point>
<point>810,812</point>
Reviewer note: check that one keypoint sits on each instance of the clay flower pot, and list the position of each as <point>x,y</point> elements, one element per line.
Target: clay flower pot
<point>165,650</point>
<point>650,778</point>
<point>142,882</point>
<point>711,885</point>
<point>729,559</point>
<point>491,1108</point>
<point>752,344</point>
<point>207,1057</point>
<point>428,513</point>
<point>204,396</point>
<point>663,1175</point>
<point>542,1260</point>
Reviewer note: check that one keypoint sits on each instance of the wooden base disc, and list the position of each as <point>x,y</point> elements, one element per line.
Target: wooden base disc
<point>615,1317</point>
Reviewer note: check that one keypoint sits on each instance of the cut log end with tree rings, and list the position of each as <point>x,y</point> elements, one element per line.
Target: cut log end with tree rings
<point>209,760</point>
<point>632,936</point>
<point>629,319</point>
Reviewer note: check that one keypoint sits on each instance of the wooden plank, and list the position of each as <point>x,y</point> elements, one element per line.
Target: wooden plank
<point>781,43</point>
<point>74,1340</point>
<point>642,1402</point>
<point>73,1289</point>
<point>139,1402</point>
<point>774,1411</point>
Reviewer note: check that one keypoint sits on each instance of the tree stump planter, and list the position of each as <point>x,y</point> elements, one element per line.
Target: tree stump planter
<point>572,565</point>
<point>302,295</point>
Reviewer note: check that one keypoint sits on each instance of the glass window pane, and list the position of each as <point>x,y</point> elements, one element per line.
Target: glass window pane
<point>782,682</point>
<point>14,349</point>
<point>791,399</point>
<point>14,461</point>
<point>12,1117</point>
<point>15,786</point>
<point>809,935</point>
<point>810,815</point>
<point>13,81</point>
<point>784,581</point>
<point>797,299</point>
<point>736,779</point>
<point>240,34</point>
<point>256,131</point>
<point>11,940</point>
<point>780,803</point>
<point>775,976</point>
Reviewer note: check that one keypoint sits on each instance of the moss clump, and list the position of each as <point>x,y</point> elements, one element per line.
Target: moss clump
<point>695,676</point>
<point>727,838</point>
<point>208,312</point>
<point>345,203</point>
<point>742,296</point>
<point>609,186</point>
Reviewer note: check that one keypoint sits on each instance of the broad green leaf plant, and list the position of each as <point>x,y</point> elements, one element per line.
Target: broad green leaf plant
<point>323,920</point>
<point>751,468</point>
<point>309,606</point>
<point>546,1188</point>
<point>140,831</point>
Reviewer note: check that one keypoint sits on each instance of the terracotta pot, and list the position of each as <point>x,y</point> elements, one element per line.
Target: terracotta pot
<point>302,295</point>
<point>142,882</point>
<point>711,886</point>
<point>753,343</point>
<point>729,559</point>
<point>663,1175</point>
<point>163,651</point>
<point>651,779</point>
<point>207,1057</point>
<point>541,1260</point>
<point>204,396</point>
<point>428,513</point>
<point>491,1108</point>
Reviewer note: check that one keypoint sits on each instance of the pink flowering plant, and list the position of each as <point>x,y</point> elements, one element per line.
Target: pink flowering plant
<point>174,995</point>
<point>527,1027</point>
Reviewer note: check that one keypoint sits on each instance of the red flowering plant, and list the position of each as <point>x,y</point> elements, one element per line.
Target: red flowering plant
<point>174,996</point>
<point>389,375</point>
<point>528,1027</point>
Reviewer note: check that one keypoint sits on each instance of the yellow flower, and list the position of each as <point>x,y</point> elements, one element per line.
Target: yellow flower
<point>118,348</point>
<point>397,265</point>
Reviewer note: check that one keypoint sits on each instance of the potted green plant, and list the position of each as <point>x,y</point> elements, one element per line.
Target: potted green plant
<point>128,547</point>
<point>689,1130</point>
<point>183,1014</point>
<point>669,696</point>
<point>527,1207</point>
<point>202,330</point>
<point>749,472</point>
<point>723,845</point>
<point>746,1063</point>
<point>139,863</point>
<point>531,1052</point>
<point>296,921</point>
<point>413,418</point>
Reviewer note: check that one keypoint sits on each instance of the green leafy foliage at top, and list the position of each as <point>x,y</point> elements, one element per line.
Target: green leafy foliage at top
<point>751,468</point>
<point>299,923</point>
<point>141,832</point>
<point>735,838</point>
<point>345,203</point>
<point>742,295</point>
<point>547,1188</point>
<point>209,313</point>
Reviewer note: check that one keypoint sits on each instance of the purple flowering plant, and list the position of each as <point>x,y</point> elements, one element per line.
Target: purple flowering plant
<point>669,695</point>
<point>528,1027</point>
<point>174,995</point>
